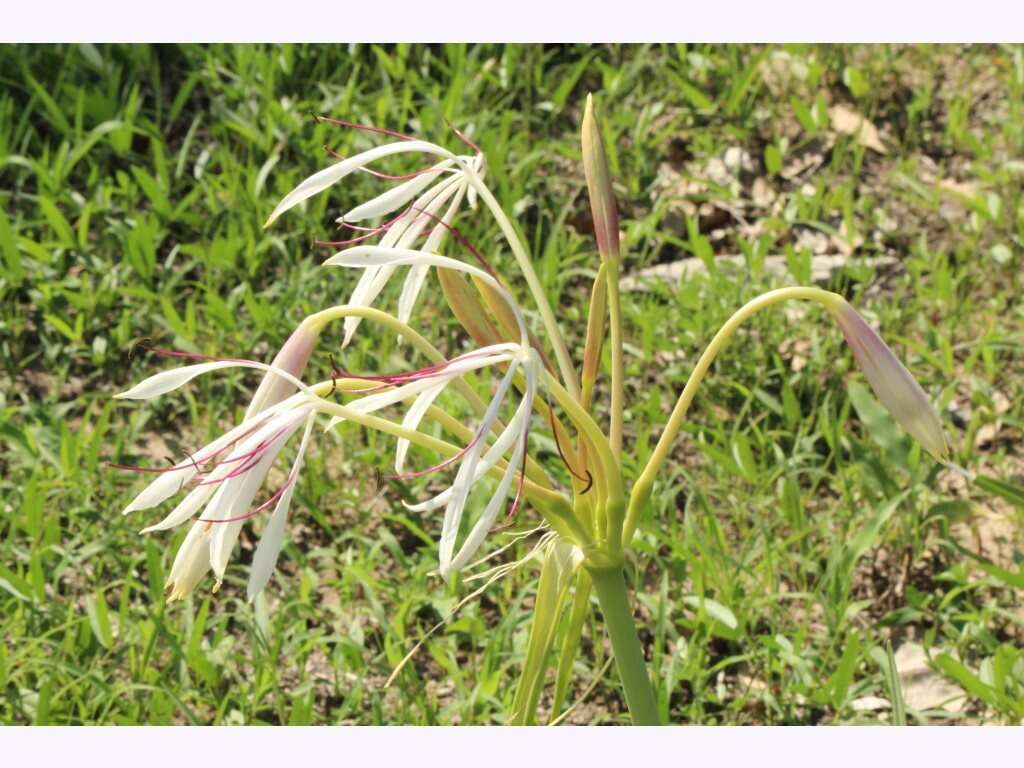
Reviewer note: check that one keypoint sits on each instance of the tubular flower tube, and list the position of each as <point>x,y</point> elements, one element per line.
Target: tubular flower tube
<point>226,474</point>
<point>892,383</point>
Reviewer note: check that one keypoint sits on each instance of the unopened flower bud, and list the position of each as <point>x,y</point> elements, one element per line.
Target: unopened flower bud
<point>599,185</point>
<point>892,383</point>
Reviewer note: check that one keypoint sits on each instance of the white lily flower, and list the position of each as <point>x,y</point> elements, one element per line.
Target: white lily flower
<point>428,191</point>
<point>478,458</point>
<point>228,472</point>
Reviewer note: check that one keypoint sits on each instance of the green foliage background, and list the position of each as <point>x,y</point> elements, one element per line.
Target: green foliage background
<point>133,182</point>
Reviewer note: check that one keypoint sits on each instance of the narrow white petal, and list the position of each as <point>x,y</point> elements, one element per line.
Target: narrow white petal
<point>170,483</point>
<point>320,180</point>
<point>358,299</point>
<point>190,563</point>
<point>412,420</point>
<point>499,448</point>
<point>198,496</point>
<point>167,381</point>
<point>368,256</point>
<point>463,479</point>
<point>238,496</point>
<point>185,510</point>
<point>397,196</point>
<point>166,485</point>
<point>483,524</point>
<point>267,551</point>
<point>410,292</point>
<point>402,234</point>
<point>375,402</point>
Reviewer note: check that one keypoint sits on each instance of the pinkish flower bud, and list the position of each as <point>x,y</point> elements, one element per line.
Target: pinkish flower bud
<point>892,383</point>
<point>599,185</point>
<point>293,357</point>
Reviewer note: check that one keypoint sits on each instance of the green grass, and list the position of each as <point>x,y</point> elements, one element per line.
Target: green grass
<point>134,181</point>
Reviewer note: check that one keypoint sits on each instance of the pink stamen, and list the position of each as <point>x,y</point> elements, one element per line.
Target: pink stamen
<point>438,467</point>
<point>193,461</point>
<point>249,458</point>
<point>371,232</point>
<point>466,140</point>
<point>194,355</point>
<point>519,488</point>
<point>462,240</point>
<point>589,479</point>
<point>351,241</point>
<point>394,379</point>
<point>253,512</point>
<point>368,128</point>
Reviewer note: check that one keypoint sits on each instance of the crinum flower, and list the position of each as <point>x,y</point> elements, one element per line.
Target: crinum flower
<point>426,385</point>
<point>447,182</point>
<point>226,474</point>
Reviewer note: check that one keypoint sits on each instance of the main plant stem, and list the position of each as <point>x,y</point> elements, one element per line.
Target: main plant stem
<point>610,588</point>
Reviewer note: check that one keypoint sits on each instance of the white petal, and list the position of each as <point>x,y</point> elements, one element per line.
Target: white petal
<point>188,507</point>
<point>498,449</point>
<point>401,233</point>
<point>395,197</point>
<point>167,381</point>
<point>418,274</point>
<point>238,493</point>
<point>375,402</point>
<point>191,503</point>
<point>369,256</point>
<point>166,485</point>
<point>267,551</point>
<point>483,524</point>
<point>170,483</point>
<point>190,563</point>
<point>463,479</point>
<point>320,180</point>
<point>412,420</point>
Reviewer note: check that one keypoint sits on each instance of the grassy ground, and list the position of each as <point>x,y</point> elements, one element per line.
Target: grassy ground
<point>134,181</point>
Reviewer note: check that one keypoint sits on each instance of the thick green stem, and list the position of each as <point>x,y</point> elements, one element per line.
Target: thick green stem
<point>610,587</point>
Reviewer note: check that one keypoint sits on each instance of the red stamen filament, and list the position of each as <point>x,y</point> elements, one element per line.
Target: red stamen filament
<point>466,140</point>
<point>193,462</point>
<point>395,379</point>
<point>589,479</point>
<point>462,240</point>
<point>253,512</point>
<point>249,458</point>
<point>361,127</point>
